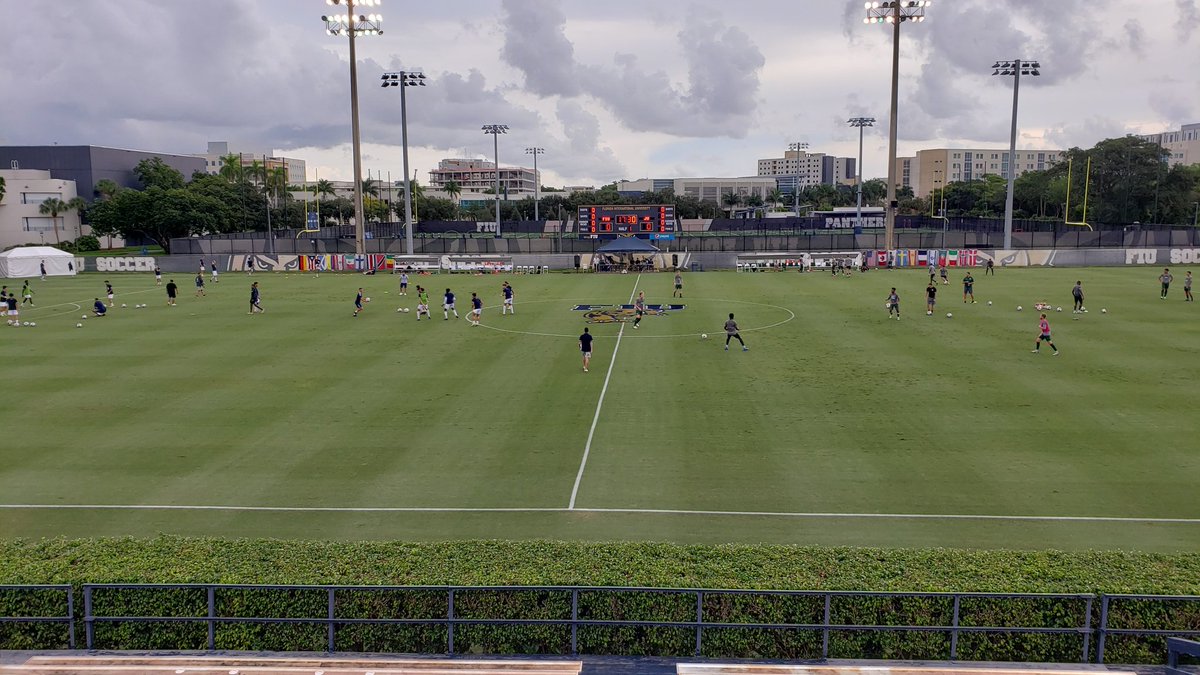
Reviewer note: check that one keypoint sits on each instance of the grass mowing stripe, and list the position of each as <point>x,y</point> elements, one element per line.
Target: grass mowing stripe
<point>587,449</point>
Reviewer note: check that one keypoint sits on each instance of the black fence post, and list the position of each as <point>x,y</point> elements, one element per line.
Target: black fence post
<point>825,632</point>
<point>575,617</point>
<point>89,630</point>
<point>212,613</point>
<point>954,631</point>
<point>699,620</point>
<point>70,616</point>
<point>450,622</point>
<point>1103,629</point>
<point>1087,630</point>
<point>329,620</point>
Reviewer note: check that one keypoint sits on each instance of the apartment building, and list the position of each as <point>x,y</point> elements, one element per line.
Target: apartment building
<point>479,175</point>
<point>1184,145</point>
<point>932,168</point>
<point>217,150</point>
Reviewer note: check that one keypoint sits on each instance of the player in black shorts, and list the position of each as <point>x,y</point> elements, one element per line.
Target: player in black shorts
<point>585,346</point>
<point>358,302</point>
<point>172,291</point>
<point>930,298</point>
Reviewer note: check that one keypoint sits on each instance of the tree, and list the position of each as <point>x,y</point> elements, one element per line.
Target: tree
<point>375,209</point>
<point>324,188</point>
<point>453,189</point>
<point>231,168</point>
<point>52,207</point>
<point>154,172</point>
<point>775,197</point>
<point>157,214</point>
<point>731,201</point>
<point>436,208</point>
<point>3,189</point>
<point>370,187</point>
<point>106,188</point>
<point>256,172</point>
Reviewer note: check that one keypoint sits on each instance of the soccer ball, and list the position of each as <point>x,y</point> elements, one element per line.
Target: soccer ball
<point>32,324</point>
<point>1019,308</point>
<point>949,315</point>
<point>1058,309</point>
<point>366,299</point>
<point>928,313</point>
<point>84,316</point>
<point>704,336</point>
<point>79,325</point>
<point>124,305</point>
<point>1103,311</point>
<point>406,310</point>
<point>989,303</point>
<point>25,324</point>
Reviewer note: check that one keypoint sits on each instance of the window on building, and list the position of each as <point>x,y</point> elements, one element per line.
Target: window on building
<point>38,197</point>
<point>38,224</point>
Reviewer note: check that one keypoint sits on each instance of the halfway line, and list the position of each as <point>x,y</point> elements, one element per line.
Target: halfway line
<point>587,449</point>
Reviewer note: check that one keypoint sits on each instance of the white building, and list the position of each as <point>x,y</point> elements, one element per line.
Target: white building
<point>479,175</point>
<point>217,149</point>
<point>1184,145</point>
<point>931,169</point>
<point>807,169</point>
<point>705,189</point>
<point>21,221</point>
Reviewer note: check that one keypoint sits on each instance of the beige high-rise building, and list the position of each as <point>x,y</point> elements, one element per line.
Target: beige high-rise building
<point>1184,145</point>
<point>930,169</point>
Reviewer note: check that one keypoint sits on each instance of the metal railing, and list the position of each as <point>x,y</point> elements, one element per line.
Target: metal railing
<point>1177,647</point>
<point>700,618</point>
<point>66,617</point>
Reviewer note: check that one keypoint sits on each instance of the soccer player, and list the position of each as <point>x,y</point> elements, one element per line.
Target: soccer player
<point>404,283</point>
<point>214,270</point>
<point>678,286</point>
<point>1077,293</point>
<point>448,306</point>
<point>944,274</point>
<point>108,290</point>
<point>13,313</point>
<point>203,269</point>
<point>42,265</point>
<point>639,308</point>
<point>932,272</point>
<point>98,308</point>
<point>476,310</point>
<point>1187,287</point>
<point>157,276</point>
<point>249,265</point>
<point>1165,279</point>
<point>968,287</point>
<point>990,269</point>
<point>1044,336</point>
<point>172,291</point>
<point>358,302</point>
<point>585,346</point>
<point>27,293</point>
<point>200,285</point>
<point>731,331</point>
<point>507,291</point>
<point>930,298</point>
<point>254,299</point>
<point>423,303</point>
<point>893,304</point>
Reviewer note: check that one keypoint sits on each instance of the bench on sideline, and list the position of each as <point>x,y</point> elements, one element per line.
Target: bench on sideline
<point>953,669</point>
<point>218,665</point>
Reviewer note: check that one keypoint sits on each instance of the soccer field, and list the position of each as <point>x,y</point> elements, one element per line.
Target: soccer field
<point>838,427</point>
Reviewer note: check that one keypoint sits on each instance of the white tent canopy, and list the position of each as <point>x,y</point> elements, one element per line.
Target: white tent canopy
<point>27,261</point>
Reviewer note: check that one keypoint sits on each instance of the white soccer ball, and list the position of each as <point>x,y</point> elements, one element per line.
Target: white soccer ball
<point>25,324</point>
<point>949,315</point>
<point>989,303</point>
<point>84,316</point>
<point>124,305</point>
<point>1058,309</point>
<point>79,325</point>
<point>1019,308</point>
<point>1103,311</point>
<point>32,324</point>
<point>704,336</point>
<point>366,299</point>
<point>406,310</point>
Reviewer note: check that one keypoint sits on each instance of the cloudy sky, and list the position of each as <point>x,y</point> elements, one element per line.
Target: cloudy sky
<point>611,90</point>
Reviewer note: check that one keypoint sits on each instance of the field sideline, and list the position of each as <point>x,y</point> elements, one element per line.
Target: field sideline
<point>838,427</point>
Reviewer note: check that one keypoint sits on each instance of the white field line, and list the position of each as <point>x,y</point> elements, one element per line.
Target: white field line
<point>77,305</point>
<point>561,510</point>
<point>587,449</point>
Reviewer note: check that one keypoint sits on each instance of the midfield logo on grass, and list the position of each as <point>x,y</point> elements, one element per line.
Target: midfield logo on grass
<point>622,313</point>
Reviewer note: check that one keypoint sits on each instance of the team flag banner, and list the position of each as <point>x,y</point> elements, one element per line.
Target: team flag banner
<point>934,257</point>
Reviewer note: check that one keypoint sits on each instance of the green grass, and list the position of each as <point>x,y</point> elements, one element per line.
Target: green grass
<point>837,411</point>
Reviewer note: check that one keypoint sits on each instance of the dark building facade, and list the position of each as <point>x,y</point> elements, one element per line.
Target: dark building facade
<point>88,164</point>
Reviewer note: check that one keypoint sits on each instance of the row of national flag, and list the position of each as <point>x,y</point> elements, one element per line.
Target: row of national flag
<point>911,257</point>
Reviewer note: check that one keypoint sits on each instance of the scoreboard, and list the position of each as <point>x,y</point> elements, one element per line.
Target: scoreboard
<point>652,221</point>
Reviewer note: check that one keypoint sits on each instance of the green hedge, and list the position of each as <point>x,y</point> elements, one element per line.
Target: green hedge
<point>483,563</point>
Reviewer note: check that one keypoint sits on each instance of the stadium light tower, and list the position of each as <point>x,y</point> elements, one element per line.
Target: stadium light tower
<point>861,123</point>
<point>404,80</point>
<point>495,130</point>
<point>353,25</point>
<point>1015,69</point>
<point>894,12</point>
<point>797,148</point>
<point>536,179</point>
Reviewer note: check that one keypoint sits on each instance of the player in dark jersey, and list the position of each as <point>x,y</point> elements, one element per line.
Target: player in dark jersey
<point>893,304</point>
<point>200,285</point>
<point>1165,279</point>
<point>1187,287</point>
<point>930,298</point>
<point>585,346</point>
<point>157,276</point>
<point>98,308</point>
<point>732,331</point>
<point>969,288</point>
<point>1077,294</point>
<point>358,299</point>
<point>639,308</point>
<point>108,291</point>
<point>448,306</point>
<point>172,291</point>
<point>254,299</point>
<point>476,309</point>
<point>507,291</point>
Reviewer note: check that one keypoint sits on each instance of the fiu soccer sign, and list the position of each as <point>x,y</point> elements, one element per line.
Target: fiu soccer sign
<point>1150,256</point>
<point>129,264</point>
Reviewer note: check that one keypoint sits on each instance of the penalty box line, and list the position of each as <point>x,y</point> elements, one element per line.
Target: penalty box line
<point>815,515</point>
<point>587,448</point>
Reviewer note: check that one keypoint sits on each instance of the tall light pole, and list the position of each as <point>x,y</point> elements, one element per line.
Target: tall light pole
<point>537,182</point>
<point>495,130</point>
<point>353,25</point>
<point>1016,69</point>
<point>799,149</point>
<point>894,12</point>
<point>861,123</point>
<point>404,80</point>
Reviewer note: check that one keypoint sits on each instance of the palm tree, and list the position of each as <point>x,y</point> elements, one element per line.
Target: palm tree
<point>52,207</point>
<point>3,189</point>
<point>324,188</point>
<point>256,172</point>
<point>106,188</point>
<point>231,168</point>
<point>370,187</point>
<point>453,189</point>
<point>731,200</point>
<point>775,196</point>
